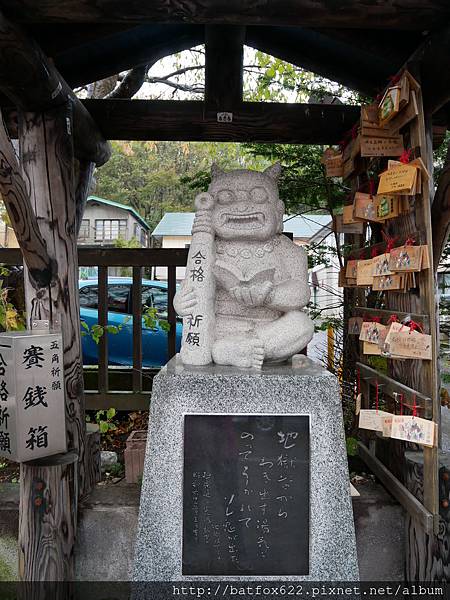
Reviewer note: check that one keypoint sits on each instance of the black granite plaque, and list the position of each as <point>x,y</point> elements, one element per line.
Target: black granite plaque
<point>246,495</point>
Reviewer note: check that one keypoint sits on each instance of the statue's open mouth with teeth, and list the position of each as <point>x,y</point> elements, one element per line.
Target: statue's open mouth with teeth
<point>246,221</point>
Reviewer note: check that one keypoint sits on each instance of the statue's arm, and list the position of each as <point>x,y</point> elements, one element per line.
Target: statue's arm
<point>293,292</point>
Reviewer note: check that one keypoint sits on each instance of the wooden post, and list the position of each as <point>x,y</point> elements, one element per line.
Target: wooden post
<point>92,464</point>
<point>48,519</point>
<point>223,67</point>
<point>46,154</point>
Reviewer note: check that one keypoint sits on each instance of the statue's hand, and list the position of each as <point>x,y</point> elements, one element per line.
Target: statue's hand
<point>184,301</point>
<point>202,222</point>
<point>252,295</point>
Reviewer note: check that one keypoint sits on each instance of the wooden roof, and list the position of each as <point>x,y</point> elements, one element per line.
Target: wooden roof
<point>359,43</point>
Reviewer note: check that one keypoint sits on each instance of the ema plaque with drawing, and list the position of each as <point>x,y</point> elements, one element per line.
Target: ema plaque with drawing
<point>246,495</point>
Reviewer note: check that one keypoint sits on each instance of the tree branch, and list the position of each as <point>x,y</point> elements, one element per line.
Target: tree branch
<point>131,83</point>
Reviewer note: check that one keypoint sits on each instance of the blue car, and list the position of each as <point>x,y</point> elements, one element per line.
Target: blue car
<point>120,345</point>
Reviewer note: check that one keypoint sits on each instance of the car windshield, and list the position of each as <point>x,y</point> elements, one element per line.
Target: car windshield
<point>119,298</point>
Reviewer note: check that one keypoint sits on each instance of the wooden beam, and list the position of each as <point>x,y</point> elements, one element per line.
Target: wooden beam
<point>224,45</point>
<point>113,257</point>
<point>17,201</point>
<point>308,13</point>
<point>32,82</point>
<point>252,121</point>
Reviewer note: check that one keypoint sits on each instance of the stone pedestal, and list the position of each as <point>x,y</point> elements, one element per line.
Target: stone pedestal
<point>300,388</point>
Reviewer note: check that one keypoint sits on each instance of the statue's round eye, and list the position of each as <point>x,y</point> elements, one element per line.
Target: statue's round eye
<point>225,197</point>
<point>259,195</point>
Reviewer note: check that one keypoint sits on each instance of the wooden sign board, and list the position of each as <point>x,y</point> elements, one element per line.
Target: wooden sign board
<point>388,207</point>
<point>351,271</point>
<point>246,495</point>
<point>401,342</point>
<point>371,349</point>
<point>406,258</point>
<point>329,153</point>
<point>413,429</point>
<point>385,283</point>
<point>380,265</point>
<point>334,167</point>
<point>371,332</point>
<point>364,272</point>
<point>372,419</point>
<point>364,207</point>
<point>382,146</point>
<point>406,115</point>
<point>32,405</point>
<point>354,325</point>
<point>398,180</point>
<point>389,105</point>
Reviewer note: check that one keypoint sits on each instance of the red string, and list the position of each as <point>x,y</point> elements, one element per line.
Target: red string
<point>376,396</point>
<point>376,319</point>
<point>414,406</point>
<point>392,319</point>
<point>410,241</point>
<point>358,381</point>
<point>371,187</point>
<point>401,404</point>
<point>374,252</point>
<point>361,255</point>
<point>390,241</point>
<point>405,156</point>
<point>395,78</point>
<point>413,326</point>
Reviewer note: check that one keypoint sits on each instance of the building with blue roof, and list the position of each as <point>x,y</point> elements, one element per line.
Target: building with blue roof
<point>174,229</point>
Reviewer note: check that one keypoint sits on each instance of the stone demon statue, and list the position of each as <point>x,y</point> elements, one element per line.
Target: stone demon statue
<point>246,283</point>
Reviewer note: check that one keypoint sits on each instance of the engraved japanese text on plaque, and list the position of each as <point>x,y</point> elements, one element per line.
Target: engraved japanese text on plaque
<point>246,495</point>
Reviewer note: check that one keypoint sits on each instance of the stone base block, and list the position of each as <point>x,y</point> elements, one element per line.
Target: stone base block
<point>300,388</point>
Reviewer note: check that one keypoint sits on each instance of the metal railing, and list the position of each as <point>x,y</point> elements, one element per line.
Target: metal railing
<point>133,392</point>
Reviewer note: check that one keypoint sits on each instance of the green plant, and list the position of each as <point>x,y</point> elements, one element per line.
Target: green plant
<point>105,420</point>
<point>10,319</point>
<point>116,470</point>
<point>352,446</point>
<point>149,316</point>
<point>96,331</point>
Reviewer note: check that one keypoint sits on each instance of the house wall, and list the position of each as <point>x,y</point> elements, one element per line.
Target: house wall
<point>173,241</point>
<point>326,292</point>
<point>95,211</point>
<point>7,236</point>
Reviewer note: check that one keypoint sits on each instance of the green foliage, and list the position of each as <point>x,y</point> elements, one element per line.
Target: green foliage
<point>10,318</point>
<point>352,446</point>
<point>155,177</point>
<point>105,421</point>
<point>97,331</point>
<point>151,320</point>
<point>274,80</point>
<point>116,470</point>
<point>303,185</point>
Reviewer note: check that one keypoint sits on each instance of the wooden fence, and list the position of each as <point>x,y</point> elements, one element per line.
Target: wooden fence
<point>121,387</point>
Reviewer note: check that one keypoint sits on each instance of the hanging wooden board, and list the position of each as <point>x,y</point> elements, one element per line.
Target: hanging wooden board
<point>382,146</point>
